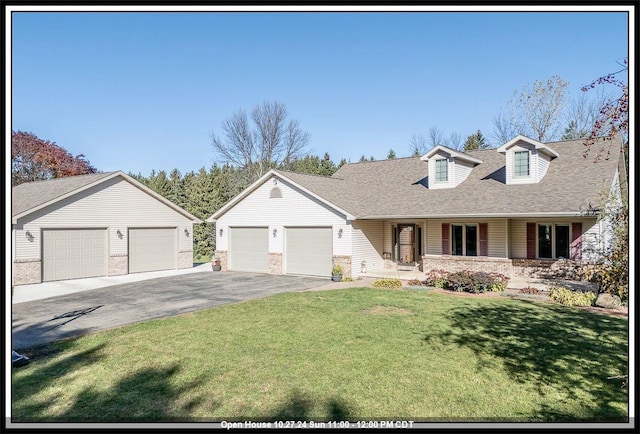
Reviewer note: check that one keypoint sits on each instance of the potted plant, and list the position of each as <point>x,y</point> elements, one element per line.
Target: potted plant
<point>336,273</point>
<point>215,264</point>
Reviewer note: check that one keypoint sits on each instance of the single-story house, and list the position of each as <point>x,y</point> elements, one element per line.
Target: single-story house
<point>102,224</point>
<point>523,209</point>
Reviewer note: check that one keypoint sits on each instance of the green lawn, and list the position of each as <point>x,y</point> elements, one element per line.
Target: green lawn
<point>335,355</point>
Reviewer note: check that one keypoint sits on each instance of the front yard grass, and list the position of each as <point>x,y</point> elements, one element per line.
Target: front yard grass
<point>348,354</point>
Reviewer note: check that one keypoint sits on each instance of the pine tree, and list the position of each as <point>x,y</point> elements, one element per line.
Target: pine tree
<point>475,141</point>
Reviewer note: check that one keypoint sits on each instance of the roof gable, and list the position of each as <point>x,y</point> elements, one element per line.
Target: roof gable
<point>29,197</point>
<point>541,147</point>
<point>452,153</point>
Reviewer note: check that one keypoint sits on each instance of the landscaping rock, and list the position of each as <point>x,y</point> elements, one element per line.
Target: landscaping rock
<point>608,301</point>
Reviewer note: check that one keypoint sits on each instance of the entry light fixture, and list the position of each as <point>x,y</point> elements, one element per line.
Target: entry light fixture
<point>275,232</point>
<point>340,233</point>
<point>28,235</point>
<point>220,231</point>
<point>119,233</point>
<point>186,233</point>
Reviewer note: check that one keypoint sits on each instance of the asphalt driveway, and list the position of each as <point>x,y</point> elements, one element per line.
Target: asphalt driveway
<point>41,321</point>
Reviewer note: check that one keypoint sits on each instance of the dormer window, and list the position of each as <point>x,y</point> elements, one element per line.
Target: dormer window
<point>445,161</point>
<point>526,160</point>
<point>441,170</point>
<point>521,163</point>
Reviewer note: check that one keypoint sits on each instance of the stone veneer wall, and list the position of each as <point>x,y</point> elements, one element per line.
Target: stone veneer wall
<point>222,255</point>
<point>118,265</point>
<point>185,259</point>
<point>275,263</point>
<point>548,268</point>
<point>27,271</point>
<point>453,264</point>
<point>527,268</point>
<point>345,261</point>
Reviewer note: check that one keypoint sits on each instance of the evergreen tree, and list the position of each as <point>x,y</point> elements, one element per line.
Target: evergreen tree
<point>475,141</point>
<point>391,155</point>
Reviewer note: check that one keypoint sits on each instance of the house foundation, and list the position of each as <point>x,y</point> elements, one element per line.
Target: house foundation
<point>524,268</point>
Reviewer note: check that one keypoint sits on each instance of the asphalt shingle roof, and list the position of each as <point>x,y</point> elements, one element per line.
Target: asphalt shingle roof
<point>398,187</point>
<point>32,194</point>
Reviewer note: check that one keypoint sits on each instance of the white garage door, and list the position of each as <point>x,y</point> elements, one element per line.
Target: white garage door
<point>249,249</point>
<point>309,251</point>
<point>152,249</point>
<point>73,253</point>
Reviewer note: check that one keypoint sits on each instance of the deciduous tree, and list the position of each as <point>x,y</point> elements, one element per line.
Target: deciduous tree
<point>261,142</point>
<point>33,159</point>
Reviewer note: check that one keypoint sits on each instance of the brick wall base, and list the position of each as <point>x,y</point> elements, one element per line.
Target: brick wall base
<point>275,263</point>
<point>26,272</point>
<point>526,268</point>
<point>223,257</point>
<point>185,259</point>
<point>118,265</point>
<point>345,261</point>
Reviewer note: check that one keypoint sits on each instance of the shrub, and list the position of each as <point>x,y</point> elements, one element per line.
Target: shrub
<point>414,282</point>
<point>477,282</point>
<point>437,278</point>
<point>337,270</point>
<point>388,283</point>
<point>568,297</point>
<point>499,282</point>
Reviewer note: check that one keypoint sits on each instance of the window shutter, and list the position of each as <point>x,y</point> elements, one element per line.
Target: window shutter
<point>446,247</point>
<point>484,234</point>
<point>531,241</point>
<point>576,241</point>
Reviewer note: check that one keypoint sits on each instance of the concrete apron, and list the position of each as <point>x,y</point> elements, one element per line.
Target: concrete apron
<point>39,291</point>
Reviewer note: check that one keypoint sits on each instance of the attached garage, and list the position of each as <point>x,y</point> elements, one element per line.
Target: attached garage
<point>309,251</point>
<point>249,249</point>
<point>73,253</point>
<point>152,249</point>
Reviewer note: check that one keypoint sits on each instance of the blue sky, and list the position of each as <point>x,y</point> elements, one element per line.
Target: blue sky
<point>144,90</point>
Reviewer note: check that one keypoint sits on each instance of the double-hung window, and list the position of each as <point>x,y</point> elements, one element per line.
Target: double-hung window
<point>464,240</point>
<point>553,241</point>
<point>521,163</point>
<point>441,171</point>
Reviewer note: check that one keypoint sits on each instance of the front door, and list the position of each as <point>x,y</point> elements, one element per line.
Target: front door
<point>406,243</point>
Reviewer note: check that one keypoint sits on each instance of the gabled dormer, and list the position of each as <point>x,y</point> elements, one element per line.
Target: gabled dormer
<point>527,160</point>
<point>447,167</point>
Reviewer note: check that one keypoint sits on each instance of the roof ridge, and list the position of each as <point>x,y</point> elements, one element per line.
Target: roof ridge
<point>305,174</point>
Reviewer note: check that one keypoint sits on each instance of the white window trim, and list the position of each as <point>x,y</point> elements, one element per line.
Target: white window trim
<point>446,166</point>
<point>464,238</point>
<point>553,239</point>
<point>528,161</point>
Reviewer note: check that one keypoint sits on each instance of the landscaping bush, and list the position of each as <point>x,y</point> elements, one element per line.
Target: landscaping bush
<point>414,282</point>
<point>477,282</point>
<point>437,278</point>
<point>388,283</point>
<point>499,282</point>
<point>568,297</point>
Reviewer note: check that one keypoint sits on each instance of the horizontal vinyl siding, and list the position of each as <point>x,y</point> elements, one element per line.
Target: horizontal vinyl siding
<point>497,247</point>
<point>368,242</point>
<point>434,237</point>
<point>518,239</point>
<point>116,204</point>
<point>543,165</point>
<point>462,170</point>
<point>294,208</point>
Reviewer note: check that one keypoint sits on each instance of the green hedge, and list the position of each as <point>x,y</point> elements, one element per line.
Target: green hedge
<point>568,297</point>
